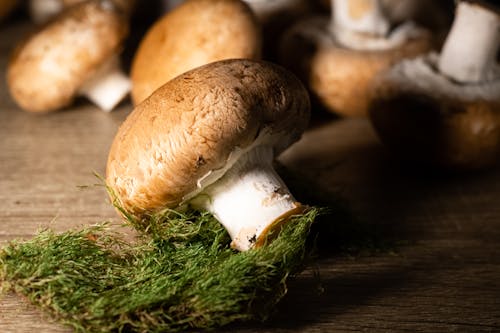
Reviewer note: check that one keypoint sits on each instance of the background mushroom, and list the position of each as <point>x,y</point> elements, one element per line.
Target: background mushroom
<point>193,34</point>
<point>435,15</point>
<point>76,54</point>
<point>266,10</point>
<point>276,16</point>
<point>444,109</point>
<point>208,138</point>
<point>43,10</point>
<point>339,57</point>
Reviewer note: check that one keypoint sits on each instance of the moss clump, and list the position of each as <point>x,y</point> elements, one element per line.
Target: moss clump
<point>181,274</point>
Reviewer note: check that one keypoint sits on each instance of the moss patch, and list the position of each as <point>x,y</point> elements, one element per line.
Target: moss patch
<point>181,274</point>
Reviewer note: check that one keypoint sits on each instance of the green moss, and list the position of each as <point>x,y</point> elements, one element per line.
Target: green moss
<point>181,274</point>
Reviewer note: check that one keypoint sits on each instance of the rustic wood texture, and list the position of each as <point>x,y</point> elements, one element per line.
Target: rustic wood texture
<point>442,273</point>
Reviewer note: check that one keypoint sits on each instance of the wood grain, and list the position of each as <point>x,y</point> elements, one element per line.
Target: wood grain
<point>442,274</point>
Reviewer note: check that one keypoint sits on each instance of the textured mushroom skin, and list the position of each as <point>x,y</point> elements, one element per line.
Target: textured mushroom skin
<point>192,124</point>
<point>47,69</point>
<point>436,130</point>
<point>340,78</point>
<point>195,33</point>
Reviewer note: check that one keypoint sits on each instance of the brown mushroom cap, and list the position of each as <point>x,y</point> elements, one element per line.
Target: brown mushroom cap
<point>339,77</point>
<point>46,71</point>
<point>196,123</point>
<point>195,33</point>
<point>457,127</point>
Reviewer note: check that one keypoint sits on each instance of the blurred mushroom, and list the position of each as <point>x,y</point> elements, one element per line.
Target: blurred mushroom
<point>339,57</point>
<point>276,16</point>
<point>195,33</point>
<point>444,109</point>
<point>269,9</point>
<point>76,54</point>
<point>208,138</point>
<point>43,10</point>
<point>430,13</point>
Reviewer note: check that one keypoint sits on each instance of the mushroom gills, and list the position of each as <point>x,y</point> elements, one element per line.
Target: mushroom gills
<point>250,200</point>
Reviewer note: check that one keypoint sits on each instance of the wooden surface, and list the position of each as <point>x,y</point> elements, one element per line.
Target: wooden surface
<point>442,274</point>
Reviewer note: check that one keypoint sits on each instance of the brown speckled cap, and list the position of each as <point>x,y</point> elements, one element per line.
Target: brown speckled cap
<point>46,71</point>
<point>195,33</point>
<point>193,124</point>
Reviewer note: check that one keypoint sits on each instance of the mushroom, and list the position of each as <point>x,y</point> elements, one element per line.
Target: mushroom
<point>430,13</point>
<point>444,110</point>
<point>43,10</point>
<point>276,16</point>
<point>195,33</point>
<point>269,9</point>
<point>207,138</point>
<point>339,57</point>
<point>75,54</point>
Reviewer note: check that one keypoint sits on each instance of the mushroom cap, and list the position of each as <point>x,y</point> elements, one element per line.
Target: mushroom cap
<point>425,117</point>
<point>46,71</point>
<point>195,33</point>
<point>197,125</point>
<point>338,77</point>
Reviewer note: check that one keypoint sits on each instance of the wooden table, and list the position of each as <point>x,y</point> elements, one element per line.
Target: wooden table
<point>441,273</point>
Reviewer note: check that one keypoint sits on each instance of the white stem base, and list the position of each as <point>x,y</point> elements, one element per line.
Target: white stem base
<point>469,53</point>
<point>249,200</point>
<point>108,86</point>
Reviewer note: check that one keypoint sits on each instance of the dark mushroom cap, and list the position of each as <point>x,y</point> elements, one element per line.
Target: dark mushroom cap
<point>46,71</point>
<point>197,124</point>
<point>424,117</point>
<point>339,77</point>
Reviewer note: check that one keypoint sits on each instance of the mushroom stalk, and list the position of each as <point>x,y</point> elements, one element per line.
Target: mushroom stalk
<point>469,53</point>
<point>359,16</point>
<point>250,200</point>
<point>107,86</point>
<point>362,25</point>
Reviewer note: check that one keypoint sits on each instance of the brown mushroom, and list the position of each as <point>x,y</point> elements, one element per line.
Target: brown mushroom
<point>76,54</point>
<point>43,10</point>
<point>207,138</point>
<point>444,110</point>
<point>195,33</point>
<point>338,58</point>
<point>269,9</point>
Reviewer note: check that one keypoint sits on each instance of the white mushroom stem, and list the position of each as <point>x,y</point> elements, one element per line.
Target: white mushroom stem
<point>250,199</point>
<point>469,53</point>
<point>107,86</point>
<point>362,25</point>
<point>359,16</point>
